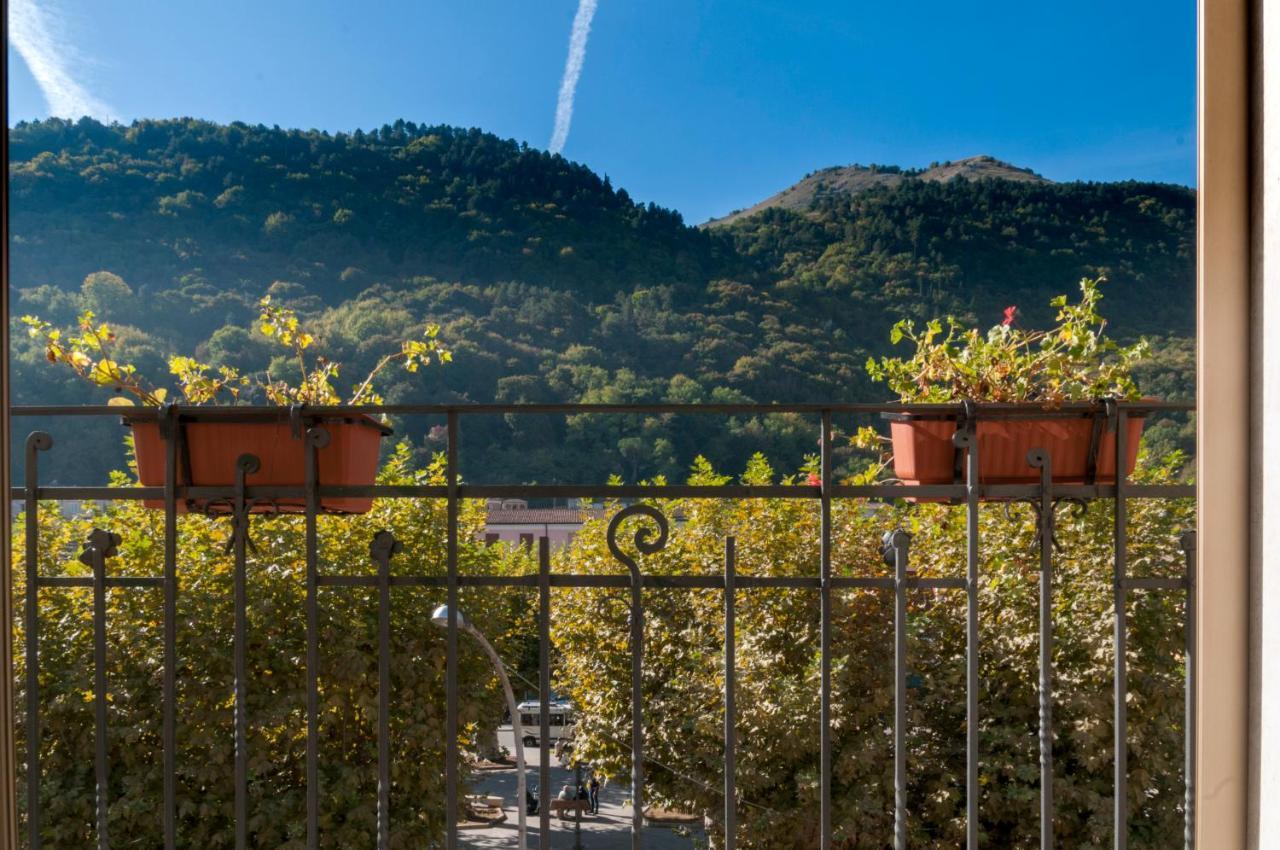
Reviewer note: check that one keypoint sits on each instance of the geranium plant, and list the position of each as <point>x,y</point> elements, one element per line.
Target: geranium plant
<point>88,351</point>
<point>1072,361</point>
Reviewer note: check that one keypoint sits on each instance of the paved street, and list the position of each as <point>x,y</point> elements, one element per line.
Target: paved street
<point>606,831</point>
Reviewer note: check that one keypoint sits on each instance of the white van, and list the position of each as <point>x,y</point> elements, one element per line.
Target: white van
<point>561,717</point>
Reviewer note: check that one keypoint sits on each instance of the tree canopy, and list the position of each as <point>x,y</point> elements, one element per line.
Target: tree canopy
<point>778,651</point>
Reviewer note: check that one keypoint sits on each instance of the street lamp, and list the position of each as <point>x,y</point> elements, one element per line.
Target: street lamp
<point>440,617</point>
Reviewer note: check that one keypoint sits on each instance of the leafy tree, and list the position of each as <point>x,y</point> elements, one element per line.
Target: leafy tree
<point>107,295</point>
<point>778,670</point>
<point>276,644</point>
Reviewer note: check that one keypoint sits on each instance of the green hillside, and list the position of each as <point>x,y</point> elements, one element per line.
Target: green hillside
<point>551,284</point>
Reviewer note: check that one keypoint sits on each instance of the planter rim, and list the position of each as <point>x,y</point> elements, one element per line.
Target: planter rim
<point>260,416</point>
<point>1003,411</point>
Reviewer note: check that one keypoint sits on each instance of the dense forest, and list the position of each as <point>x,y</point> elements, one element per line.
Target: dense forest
<point>550,284</point>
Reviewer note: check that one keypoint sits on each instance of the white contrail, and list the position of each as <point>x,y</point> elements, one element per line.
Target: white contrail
<point>572,71</point>
<point>38,34</point>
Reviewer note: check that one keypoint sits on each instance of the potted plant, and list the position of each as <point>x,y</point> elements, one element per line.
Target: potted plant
<point>1074,361</point>
<point>210,446</point>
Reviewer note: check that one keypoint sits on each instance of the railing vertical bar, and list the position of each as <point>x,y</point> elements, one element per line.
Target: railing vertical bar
<point>97,551</point>
<point>899,540</point>
<point>169,718</point>
<point>1189,717</point>
<point>1121,722</point>
<point>544,694</point>
<point>637,712</point>
<point>451,641</point>
<point>384,546</point>
<point>36,442</point>
<point>968,440</point>
<point>244,465</point>
<point>646,544</point>
<point>824,711</point>
<point>1042,459</point>
<point>730,686</point>
<point>313,436</point>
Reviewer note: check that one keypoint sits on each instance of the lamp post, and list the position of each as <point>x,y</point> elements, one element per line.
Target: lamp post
<point>440,617</point>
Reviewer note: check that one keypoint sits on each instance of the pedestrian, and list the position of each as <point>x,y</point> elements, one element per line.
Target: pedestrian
<point>595,793</point>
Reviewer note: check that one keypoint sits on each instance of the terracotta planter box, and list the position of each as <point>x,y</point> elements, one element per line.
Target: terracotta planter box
<point>923,451</point>
<point>209,451</point>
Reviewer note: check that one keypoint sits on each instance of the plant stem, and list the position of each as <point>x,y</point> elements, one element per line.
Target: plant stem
<point>382,364</point>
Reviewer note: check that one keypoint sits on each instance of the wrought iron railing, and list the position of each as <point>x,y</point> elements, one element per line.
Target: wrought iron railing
<point>965,490</point>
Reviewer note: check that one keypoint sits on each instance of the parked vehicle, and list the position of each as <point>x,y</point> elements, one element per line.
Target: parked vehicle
<point>561,717</point>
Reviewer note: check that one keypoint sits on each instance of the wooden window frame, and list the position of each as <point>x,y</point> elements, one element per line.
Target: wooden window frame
<point>1224,259</point>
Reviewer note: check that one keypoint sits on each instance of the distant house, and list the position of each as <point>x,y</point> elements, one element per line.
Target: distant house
<point>513,521</point>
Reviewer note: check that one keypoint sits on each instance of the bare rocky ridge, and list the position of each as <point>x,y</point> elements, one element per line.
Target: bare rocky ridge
<point>852,179</point>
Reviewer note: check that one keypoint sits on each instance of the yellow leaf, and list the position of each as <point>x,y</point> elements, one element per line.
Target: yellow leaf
<point>105,372</point>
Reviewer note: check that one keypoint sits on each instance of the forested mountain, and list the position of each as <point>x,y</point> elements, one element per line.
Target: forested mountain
<point>185,204</point>
<point>550,283</point>
<point>854,179</point>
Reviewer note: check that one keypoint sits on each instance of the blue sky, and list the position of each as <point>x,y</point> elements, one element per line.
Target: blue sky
<point>700,105</point>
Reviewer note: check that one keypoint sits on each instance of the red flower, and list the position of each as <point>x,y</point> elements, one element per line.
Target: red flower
<point>1009,314</point>
<point>815,480</point>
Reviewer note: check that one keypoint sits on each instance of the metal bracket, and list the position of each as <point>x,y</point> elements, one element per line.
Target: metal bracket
<point>966,423</point>
<point>296,426</point>
<point>168,420</point>
<point>1106,417</point>
<point>317,436</point>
